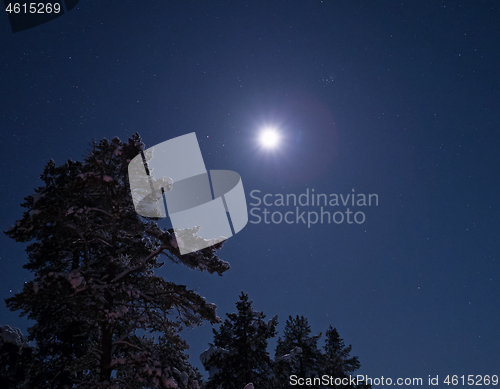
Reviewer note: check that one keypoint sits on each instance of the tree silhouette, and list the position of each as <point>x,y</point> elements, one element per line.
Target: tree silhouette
<point>337,361</point>
<point>95,296</point>
<point>239,354</point>
<point>297,351</point>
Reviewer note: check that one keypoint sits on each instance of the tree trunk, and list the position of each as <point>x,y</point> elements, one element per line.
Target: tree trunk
<point>107,342</point>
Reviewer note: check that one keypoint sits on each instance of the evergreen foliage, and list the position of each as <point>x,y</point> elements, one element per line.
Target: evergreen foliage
<point>297,352</point>
<point>239,354</point>
<point>95,297</point>
<point>337,360</point>
<point>16,357</point>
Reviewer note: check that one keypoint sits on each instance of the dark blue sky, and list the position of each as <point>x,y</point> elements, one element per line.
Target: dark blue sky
<point>400,99</point>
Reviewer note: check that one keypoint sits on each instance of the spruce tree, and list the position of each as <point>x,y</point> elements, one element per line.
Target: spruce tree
<point>297,352</point>
<point>238,355</point>
<point>337,361</point>
<point>95,296</point>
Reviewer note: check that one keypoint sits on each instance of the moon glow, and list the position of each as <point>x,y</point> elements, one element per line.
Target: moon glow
<point>269,138</point>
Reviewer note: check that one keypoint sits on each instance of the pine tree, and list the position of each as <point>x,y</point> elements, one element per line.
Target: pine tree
<point>95,297</point>
<point>239,356</point>
<point>297,352</point>
<point>337,361</point>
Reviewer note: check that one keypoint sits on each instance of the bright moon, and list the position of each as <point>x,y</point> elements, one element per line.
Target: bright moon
<point>269,138</point>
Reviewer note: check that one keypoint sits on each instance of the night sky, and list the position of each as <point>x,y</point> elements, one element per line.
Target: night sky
<point>398,99</point>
